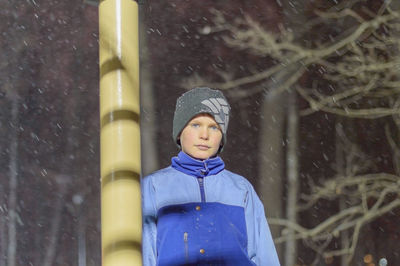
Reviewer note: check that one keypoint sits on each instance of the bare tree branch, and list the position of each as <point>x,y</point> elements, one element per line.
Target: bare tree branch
<point>355,63</point>
<point>352,74</point>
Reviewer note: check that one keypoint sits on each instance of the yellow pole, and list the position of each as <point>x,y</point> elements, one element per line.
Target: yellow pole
<point>121,221</point>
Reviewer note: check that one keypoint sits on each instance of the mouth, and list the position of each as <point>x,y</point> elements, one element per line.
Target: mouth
<point>202,147</point>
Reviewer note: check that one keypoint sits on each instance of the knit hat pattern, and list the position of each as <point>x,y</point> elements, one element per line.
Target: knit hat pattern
<point>199,101</point>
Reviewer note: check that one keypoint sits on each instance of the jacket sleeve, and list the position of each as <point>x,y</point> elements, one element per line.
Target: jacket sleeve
<point>265,252</point>
<point>149,235</point>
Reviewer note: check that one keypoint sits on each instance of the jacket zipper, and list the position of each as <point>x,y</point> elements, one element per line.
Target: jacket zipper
<point>200,180</point>
<point>185,240</point>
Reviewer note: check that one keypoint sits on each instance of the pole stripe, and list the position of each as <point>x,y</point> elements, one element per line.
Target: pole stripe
<point>122,245</point>
<point>99,1</point>
<point>119,115</point>
<point>120,175</point>
<point>110,66</point>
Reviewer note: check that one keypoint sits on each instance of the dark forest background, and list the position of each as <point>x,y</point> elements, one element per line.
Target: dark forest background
<point>318,138</point>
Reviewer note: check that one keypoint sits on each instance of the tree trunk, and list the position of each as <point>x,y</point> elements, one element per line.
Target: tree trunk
<point>148,115</point>
<point>12,198</point>
<point>340,171</point>
<point>294,17</point>
<point>148,126</point>
<point>270,157</point>
<point>81,236</point>
<point>3,199</point>
<point>3,209</point>
<point>67,172</point>
<point>55,224</point>
<point>3,240</point>
<point>292,176</point>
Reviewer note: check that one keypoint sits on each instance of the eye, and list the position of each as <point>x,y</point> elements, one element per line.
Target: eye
<point>195,125</point>
<point>214,127</point>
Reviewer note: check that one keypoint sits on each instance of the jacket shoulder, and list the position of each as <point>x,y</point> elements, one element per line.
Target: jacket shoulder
<point>237,178</point>
<point>160,173</point>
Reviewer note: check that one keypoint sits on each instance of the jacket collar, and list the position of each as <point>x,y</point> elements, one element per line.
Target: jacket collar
<point>197,168</point>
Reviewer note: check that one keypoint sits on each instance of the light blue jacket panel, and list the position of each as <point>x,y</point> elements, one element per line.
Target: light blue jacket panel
<point>168,187</point>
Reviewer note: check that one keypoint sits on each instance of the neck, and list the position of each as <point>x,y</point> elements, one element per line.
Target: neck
<point>197,167</point>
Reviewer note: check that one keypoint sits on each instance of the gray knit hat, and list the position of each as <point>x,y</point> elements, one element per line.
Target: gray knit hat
<point>198,101</point>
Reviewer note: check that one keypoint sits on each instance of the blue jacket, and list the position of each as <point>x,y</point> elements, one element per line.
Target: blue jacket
<point>197,213</point>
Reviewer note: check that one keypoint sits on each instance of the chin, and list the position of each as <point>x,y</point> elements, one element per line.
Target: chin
<point>200,157</point>
<point>204,156</point>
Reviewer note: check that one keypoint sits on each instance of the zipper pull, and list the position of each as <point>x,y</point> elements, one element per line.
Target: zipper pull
<point>185,240</point>
<point>206,168</point>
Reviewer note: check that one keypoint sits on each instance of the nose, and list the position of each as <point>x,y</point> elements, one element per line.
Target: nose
<point>204,133</point>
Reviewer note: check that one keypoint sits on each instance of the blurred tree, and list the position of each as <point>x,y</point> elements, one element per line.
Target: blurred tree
<point>343,61</point>
<point>148,105</point>
<point>13,181</point>
<point>49,63</point>
<point>12,92</point>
